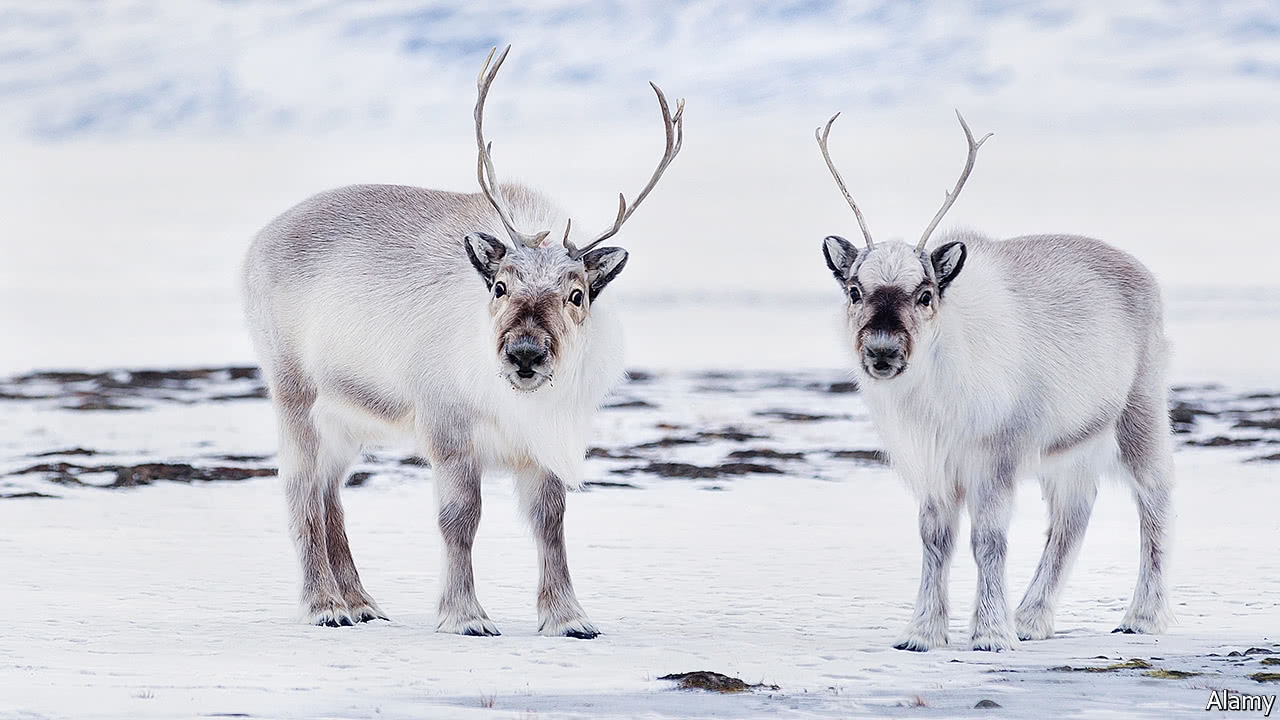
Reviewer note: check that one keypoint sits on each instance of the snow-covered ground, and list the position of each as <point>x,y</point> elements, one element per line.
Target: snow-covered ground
<point>737,519</point>
<point>735,522</point>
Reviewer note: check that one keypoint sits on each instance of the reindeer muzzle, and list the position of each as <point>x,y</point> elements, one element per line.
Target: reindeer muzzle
<point>526,354</point>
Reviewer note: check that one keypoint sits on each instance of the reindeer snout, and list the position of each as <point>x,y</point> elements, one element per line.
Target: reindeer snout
<point>526,354</point>
<point>883,358</point>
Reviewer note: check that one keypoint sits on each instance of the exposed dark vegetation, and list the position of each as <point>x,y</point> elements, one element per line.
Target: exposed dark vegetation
<point>127,476</point>
<point>767,442</point>
<point>713,682</point>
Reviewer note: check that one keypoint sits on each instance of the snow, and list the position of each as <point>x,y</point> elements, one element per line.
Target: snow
<point>183,596</point>
<point>178,600</point>
<point>144,143</point>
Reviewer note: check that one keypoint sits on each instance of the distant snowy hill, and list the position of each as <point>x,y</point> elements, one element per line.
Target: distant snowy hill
<point>204,69</point>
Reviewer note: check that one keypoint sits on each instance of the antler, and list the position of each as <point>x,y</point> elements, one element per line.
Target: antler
<point>484,164</point>
<point>674,125</point>
<point>821,135</point>
<point>951,196</point>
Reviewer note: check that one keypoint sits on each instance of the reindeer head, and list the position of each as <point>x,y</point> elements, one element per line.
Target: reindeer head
<point>894,291</point>
<point>541,293</point>
<point>538,299</point>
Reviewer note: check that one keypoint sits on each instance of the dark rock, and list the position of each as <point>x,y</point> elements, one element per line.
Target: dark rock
<point>62,473</point>
<point>1223,441</point>
<point>68,451</point>
<point>145,474</point>
<point>713,682</point>
<point>699,472</point>
<point>986,704</point>
<point>123,389</point>
<point>599,452</point>
<point>875,457</point>
<point>609,484</point>
<point>731,434</point>
<point>1134,664</point>
<point>256,394</point>
<point>1263,423</point>
<point>666,442</point>
<point>630,405</point>
<point>358,479</point>
<point>1162,674</point>
<point>1183,416</point>
<point>765,454</point>
<point>791,416</point>
<point>242,458</point>
<point>100,404</point>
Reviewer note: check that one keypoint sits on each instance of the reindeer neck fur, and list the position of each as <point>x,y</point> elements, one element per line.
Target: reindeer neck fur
<point>550,425</point>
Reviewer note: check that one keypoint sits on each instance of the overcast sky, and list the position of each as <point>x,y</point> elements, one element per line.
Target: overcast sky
<point>127,69</point>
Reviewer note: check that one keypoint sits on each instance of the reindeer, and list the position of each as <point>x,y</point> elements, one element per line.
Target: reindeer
<point>383,310</point>
<point>1047,357</point>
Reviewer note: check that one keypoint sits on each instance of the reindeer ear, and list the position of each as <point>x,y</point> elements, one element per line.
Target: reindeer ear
<point>840,254</point>
<point>485,252</point>
<point>603,265</point>
<point>947,261</point>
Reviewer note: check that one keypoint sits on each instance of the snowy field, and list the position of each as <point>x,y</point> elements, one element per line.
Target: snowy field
<point>738,517</point>
<point>735,522</point>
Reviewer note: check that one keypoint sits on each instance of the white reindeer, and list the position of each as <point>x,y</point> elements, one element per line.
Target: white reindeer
<point>1046,356</point>
<point>382,308</point>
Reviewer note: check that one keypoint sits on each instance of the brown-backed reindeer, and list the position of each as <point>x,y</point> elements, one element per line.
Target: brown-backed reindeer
<point>382,309</point>
<point>1045,356</point>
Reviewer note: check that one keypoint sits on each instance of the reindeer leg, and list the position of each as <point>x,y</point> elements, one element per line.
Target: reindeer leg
<point>542,497</point>
<point>360,605</point>
<point>928,626</point>
<point>990,511</point>
<point>1143,435</point>
<point>456,471</point>
<point>1070,494</point>
<point>311,461</point>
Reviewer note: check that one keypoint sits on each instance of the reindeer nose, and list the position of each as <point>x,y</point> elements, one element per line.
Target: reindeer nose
<point>882,359</point>
<point>525,353</point>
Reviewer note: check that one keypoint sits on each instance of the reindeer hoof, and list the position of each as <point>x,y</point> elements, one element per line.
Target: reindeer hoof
<point>923,635</point>
<point>327,612</point>
<point>580,628</point>
<point>993,640</point>
<point>471,627</point>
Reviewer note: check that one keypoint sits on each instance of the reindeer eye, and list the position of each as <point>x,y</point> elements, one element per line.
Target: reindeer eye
<point>926,298</point>
<point>855,295</point>
<point>575,297</point>
<point>499,289</point>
